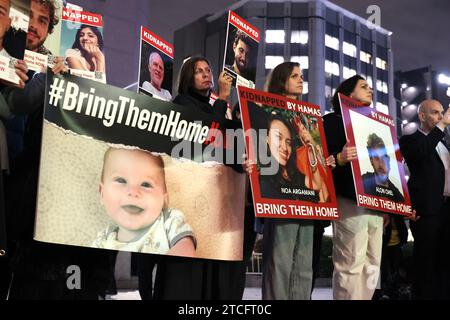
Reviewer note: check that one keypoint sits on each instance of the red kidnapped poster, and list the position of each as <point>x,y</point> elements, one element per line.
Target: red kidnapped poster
<point>286,139</point>
<point>378,172</point>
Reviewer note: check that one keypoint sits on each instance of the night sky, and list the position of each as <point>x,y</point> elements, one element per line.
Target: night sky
<point>421,29</point>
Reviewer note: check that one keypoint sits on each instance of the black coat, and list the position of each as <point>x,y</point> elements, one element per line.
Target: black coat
<point>427,172</point>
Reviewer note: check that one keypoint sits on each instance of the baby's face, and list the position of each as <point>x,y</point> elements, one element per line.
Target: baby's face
<point>133,188</point>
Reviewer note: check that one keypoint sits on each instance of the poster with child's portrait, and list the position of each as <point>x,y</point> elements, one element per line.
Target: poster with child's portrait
<point>125,171</point>
<point>14,18</point>
<point>378,171</point>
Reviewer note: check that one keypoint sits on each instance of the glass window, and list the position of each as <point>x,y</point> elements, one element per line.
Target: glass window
<point>303,60</point>
<point>332,42</point>
<point>273,61</point>
<point>275,36</point>
<point>299,36</point>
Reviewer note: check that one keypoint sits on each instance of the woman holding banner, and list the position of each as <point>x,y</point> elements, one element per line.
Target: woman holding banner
<point>357,236</point>
<point>183,278</point>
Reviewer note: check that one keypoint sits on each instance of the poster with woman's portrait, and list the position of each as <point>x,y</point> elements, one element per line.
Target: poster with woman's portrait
<point>241,51</point>
<point>285,139</point>
<point>378,171</point>
<point>82,44</point>
<point>156,66</point>
<point>14,18</point>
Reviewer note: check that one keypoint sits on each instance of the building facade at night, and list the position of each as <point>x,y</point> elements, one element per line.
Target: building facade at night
<point>330,43</point>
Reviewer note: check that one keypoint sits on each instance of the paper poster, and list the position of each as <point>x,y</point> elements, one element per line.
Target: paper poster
<point>82,44</point>
<point>14,17</point>
<point>286,140</point>
<point>378,172</point>
<point>241,51</point>
<point>156,66</point>
<point>125,171</point>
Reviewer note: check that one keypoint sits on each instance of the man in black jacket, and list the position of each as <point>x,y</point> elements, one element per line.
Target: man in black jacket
<point>429,185</point>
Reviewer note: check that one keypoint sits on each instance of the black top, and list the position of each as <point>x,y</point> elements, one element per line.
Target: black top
<point>390,192</point>
<point>427,172</point>
<point>335,136</point>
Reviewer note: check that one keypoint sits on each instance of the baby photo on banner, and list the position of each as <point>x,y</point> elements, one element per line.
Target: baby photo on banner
<point>82,44</point>
<point>156,66</point>
<point>125,171</point>
<point>378,172</point>
<point>14,17</point>
<point>241,51</point>
<point>43,43</point>
<point>286,140</point>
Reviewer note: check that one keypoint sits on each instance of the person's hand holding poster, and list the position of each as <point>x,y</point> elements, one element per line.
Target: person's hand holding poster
<point>14,17</point>
<point>156,61</point>
<point>285,138</point>
<point>378,172</point>
<point>125,171</point>
<point>241,51</point>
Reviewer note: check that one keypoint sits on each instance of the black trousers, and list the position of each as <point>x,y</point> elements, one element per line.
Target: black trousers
<point>431,262</point>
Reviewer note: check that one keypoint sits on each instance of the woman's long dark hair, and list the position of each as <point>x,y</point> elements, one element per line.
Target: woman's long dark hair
<point>77,44</point>
<point>290,165</point>
<point>279,76</point>
<point>187,73</point>
<point>346,88</point>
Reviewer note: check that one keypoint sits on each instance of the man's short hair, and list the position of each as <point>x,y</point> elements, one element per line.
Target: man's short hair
<point>52,10</point>
<point>241,35</point>
<point>374,141</point>
<point>153,54</point>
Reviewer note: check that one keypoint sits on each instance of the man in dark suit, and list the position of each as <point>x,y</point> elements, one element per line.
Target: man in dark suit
<point>429,185</point>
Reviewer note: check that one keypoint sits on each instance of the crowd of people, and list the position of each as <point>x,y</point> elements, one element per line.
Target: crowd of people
<point>34,270</point>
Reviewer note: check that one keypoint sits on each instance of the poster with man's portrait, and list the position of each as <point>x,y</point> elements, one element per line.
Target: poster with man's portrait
<point>83,45</point>
<point>14,18</point>
<point>156,66</point>
<point>124,171</point>
<point>285,140</point>
<point>378,172</point>
<point>241,51</point>
<point>44,41</point>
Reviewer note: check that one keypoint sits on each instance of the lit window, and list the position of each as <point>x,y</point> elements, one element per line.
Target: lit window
<point>332,42</point>
<point>275,36</point>
<point>381,64</point>
<point>328,91</point>
<point>303,60</point>
<point>273,61</point>
<point>382,108</point>
<point>305,87</point>
<point>347,73</point>
<point>299,37</point>
<point>349,49</point>
<point>385,87</point>
<point>448,92</point>
<point>365,57</point>
<point>369,81</point>
<point>332,68</point>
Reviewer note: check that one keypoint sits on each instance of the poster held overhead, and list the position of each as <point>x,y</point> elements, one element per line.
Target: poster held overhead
<point>14,18</point>
<point>82,44</point>
<point>378,172</point>
<point>156,66</point>
<point>286,139</point>
<point>241,51</point>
